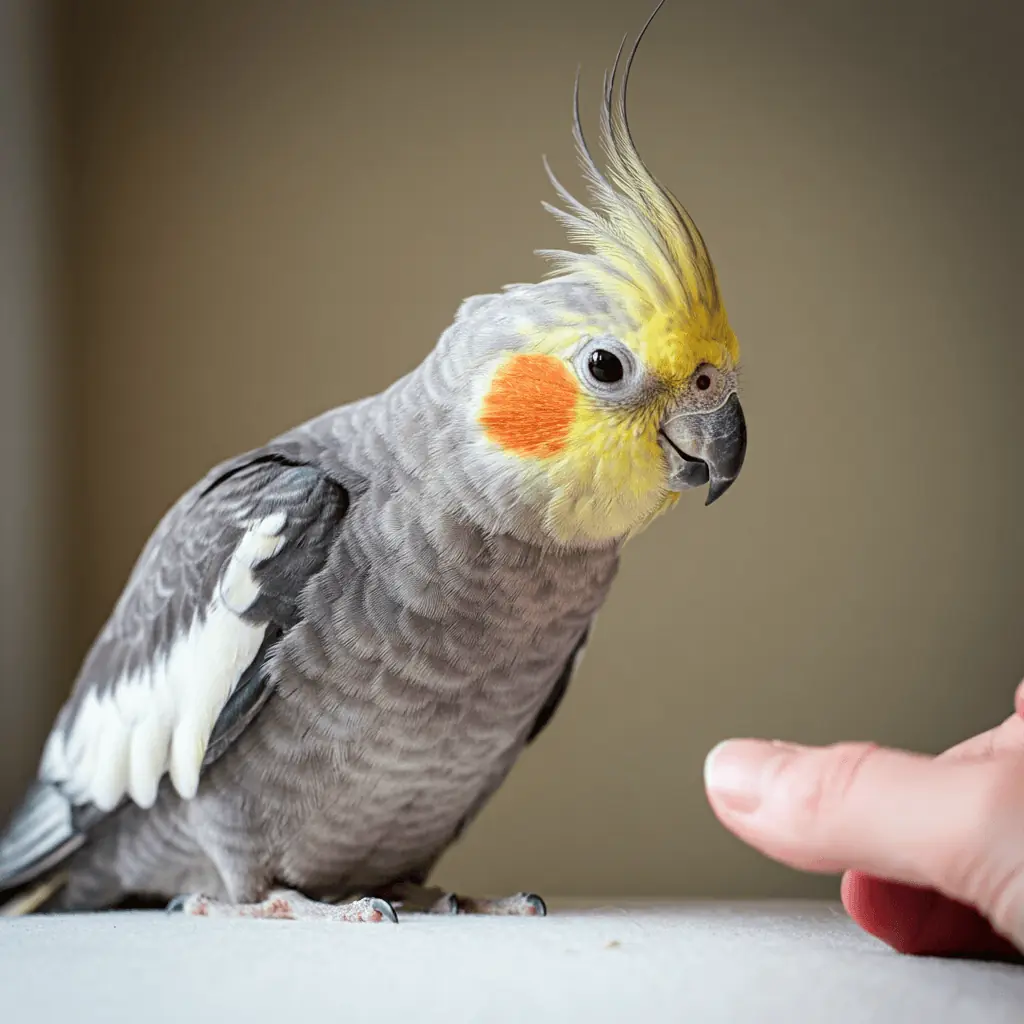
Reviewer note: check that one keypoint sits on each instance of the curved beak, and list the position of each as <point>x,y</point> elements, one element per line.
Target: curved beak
<point>706,447</point>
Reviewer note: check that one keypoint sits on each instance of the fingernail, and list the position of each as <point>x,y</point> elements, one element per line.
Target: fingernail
<point>736,771</point>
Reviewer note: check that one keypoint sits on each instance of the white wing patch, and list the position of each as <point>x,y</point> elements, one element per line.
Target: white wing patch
<point>159,719</point>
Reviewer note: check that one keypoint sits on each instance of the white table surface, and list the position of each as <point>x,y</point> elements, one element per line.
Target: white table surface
<point>663,961</point>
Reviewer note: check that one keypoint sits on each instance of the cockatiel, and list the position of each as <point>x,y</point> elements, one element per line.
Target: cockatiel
<point>332,649</point>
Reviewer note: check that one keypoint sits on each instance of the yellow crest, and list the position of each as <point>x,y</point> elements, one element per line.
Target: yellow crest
<point>643,247</point>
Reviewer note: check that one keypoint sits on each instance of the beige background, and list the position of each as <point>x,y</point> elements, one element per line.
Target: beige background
<point>272,208</point>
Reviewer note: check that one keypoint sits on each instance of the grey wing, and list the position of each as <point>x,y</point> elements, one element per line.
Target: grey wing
<point>178,670</point>
<point>557,695</point>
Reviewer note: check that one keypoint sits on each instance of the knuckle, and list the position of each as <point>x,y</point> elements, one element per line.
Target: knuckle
<point>817,786</point>
<point>986,865</point>
<point>999,804</point>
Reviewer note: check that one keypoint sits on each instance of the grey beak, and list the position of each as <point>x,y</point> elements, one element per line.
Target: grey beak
<point>706,447</point>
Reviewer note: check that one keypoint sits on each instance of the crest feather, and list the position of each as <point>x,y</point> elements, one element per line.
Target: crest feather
<point>642,244</point>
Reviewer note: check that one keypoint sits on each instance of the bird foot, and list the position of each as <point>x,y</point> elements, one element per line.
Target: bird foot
<point>286,905</point>
<point>427,900</point>
<point>522,904</point>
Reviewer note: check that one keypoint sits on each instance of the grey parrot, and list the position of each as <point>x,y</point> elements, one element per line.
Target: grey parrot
<point>333,648</point>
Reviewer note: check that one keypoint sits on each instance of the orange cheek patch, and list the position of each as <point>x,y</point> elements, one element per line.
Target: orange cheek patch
<point>531,405</point>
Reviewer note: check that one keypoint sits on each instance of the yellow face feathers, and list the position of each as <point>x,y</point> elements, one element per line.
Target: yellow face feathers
<point>600,466</point>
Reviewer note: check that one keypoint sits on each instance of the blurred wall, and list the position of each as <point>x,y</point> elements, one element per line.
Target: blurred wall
<point>274,208</point>
<point>33,555</point>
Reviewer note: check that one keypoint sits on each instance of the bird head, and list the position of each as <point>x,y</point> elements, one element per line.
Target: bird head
<point>606,390</point>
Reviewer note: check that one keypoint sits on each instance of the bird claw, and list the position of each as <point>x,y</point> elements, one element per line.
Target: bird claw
<point>447,904</point>
<point>375,909</point>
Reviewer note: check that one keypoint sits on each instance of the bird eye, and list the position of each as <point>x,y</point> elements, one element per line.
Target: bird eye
<point>703,382</point>
<point>605,366</point>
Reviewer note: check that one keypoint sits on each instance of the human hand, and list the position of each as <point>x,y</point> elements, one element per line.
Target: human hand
<point>932,848</point>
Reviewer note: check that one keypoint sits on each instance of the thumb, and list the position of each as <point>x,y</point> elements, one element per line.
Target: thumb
<point>954,826</point>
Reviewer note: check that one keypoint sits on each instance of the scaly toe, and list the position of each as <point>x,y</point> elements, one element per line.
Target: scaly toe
<point>522,904</point>
<point>447,904</point>
<point>375,909</point>
<point>177,905</point>
<point>193,904</point>
<point>533,905</point>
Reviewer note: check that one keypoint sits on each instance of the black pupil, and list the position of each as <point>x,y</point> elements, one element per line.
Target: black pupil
<point>703,382</point>
<point>605,366</point>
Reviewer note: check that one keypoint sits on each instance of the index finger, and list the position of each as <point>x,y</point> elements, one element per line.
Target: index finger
<point>922,922</point>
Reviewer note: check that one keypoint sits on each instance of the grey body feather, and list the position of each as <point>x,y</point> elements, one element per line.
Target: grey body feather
<point>418,631</point>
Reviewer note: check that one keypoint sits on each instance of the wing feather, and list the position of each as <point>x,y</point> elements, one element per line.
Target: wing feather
<point>178,671</point>
<point>557,694</point>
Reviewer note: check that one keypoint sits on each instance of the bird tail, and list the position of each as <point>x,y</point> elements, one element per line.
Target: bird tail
<point>33,896</point>
<point>34,847</point>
